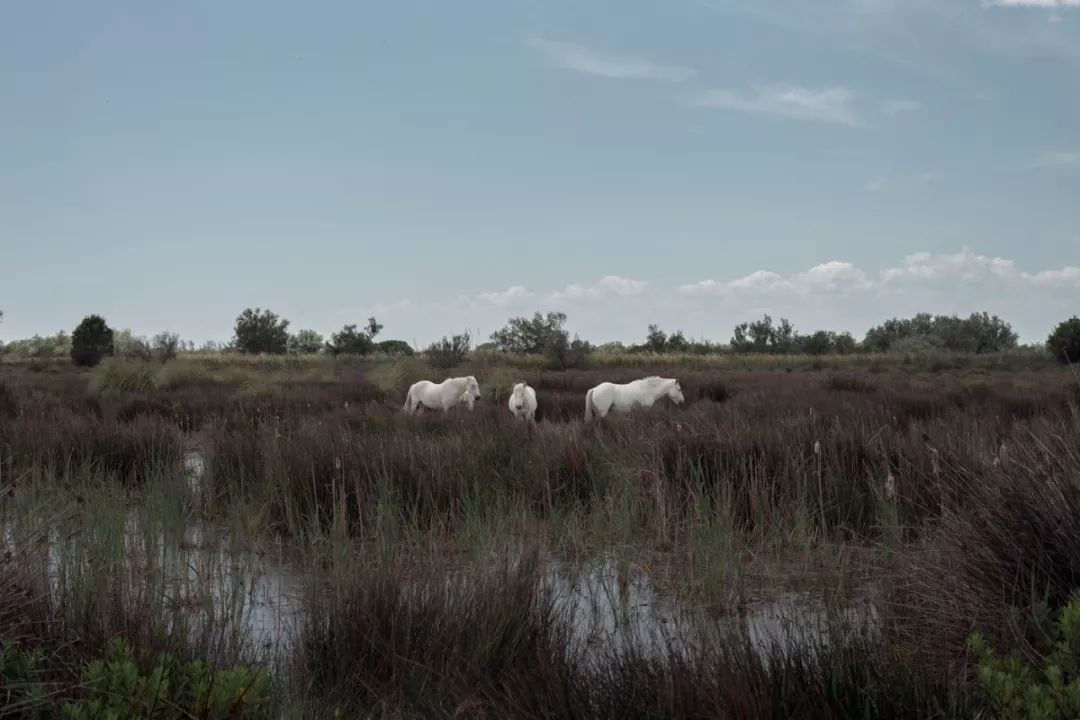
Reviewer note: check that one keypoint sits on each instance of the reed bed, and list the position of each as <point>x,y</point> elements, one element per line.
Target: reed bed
<point>947,498</point>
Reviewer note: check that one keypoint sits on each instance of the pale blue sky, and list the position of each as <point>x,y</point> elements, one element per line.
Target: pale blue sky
<point>444,165</point>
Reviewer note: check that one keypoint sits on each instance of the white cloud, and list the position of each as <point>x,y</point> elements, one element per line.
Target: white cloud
<point>1066,276</point>
<point>896,107</point>
<point>623,286</point>
<point>579,58</point>
<point>833,276</point>
<point>930,176</point>
<point>759,281</point>
<point>830,105</point>
<point>609,285</point>
<point>1060,158</point>
<point>877,185</point>
<point>507,297</point>
<point>964,266</point>
<point>836,295</point>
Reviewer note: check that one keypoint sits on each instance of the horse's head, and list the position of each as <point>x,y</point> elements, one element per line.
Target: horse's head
<point>675,393</point>
<point>472,388</point>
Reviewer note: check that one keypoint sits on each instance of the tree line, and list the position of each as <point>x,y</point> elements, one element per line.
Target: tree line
<point>261,331</point>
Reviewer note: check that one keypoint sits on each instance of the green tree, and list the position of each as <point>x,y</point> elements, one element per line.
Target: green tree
<point>656,339</point>
<point>449,352</point>
<point>761,336</point>
<point>844,343</point>
<point>977,333</point>
<point>395,347</point>
<point>91,341</point>
<point>351,341</point>
<point>305,342</point>
<point>1064,342</point>
<point>261,331</point>
<point>819,343</point>
<point>165,345</point>
<point>677,342</point>
<point>562,353</point>
<point>528,336</point>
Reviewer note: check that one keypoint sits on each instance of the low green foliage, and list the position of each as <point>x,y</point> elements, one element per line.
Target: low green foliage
<point>1015,688</point>
<point>116,687</point>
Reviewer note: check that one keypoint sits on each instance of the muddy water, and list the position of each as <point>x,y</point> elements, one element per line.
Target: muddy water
<point>258,597</point>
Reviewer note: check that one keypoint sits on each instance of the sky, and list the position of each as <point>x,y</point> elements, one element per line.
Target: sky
<point>445,166</point>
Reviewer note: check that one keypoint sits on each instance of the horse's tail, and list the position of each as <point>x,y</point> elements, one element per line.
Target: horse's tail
<point>588,406</point>
<point>408,402</point>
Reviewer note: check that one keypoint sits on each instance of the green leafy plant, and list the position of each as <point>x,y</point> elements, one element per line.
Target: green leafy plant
<point>116,687</point>
<point>1016,688</point>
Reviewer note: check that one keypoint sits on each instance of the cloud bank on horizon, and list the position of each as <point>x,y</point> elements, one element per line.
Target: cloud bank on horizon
<point>821,297</point>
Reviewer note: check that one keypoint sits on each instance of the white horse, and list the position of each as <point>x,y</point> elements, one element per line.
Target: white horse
<point>606,397</point>
<point>523,403</point>
<point>442,396</point>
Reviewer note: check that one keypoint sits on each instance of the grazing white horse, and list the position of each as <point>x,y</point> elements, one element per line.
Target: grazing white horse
<point>523,402</point>
<point>606,397</point>
<point>442,396</point>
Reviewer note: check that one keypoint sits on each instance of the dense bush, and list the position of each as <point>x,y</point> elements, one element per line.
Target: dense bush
<point>395,347</point>
<point>562,353</point>
<point>351,341</point>
<point>123,686</point>
<point>261,331</point>
<point>305,342</point>
<point>1064,342</point>
<point>761,336</point>
<point>978,333</point>
<point>449,352</point>
<point>526,336</point>
<point>165,346</point>
<point>91,341</point>
<point>1015,688</point>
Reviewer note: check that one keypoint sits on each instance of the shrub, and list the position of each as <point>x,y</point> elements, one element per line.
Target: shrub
<point>820,343</point>
<point>123,376</point>
<point>137,349</point>
<point>116,686</point>
<point>305,342</point>
<point>762,336</point>
<point>261,331</point>
<point>449,352</point>
<point>843,343</point>
<point>978,333</point>
<point>1064,342</point>
<point>91,341</point>
<point>395,347</point>
<point>350,342</point>
<point>165,345</point>
<point>526,336</point>
<point>564,354</point>
<point>1015,688</point>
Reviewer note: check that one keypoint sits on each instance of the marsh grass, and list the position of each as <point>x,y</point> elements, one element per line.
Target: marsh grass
<point>950,494</point>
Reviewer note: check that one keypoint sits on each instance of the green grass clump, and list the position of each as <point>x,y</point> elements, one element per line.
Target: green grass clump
<point>117,376</point>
